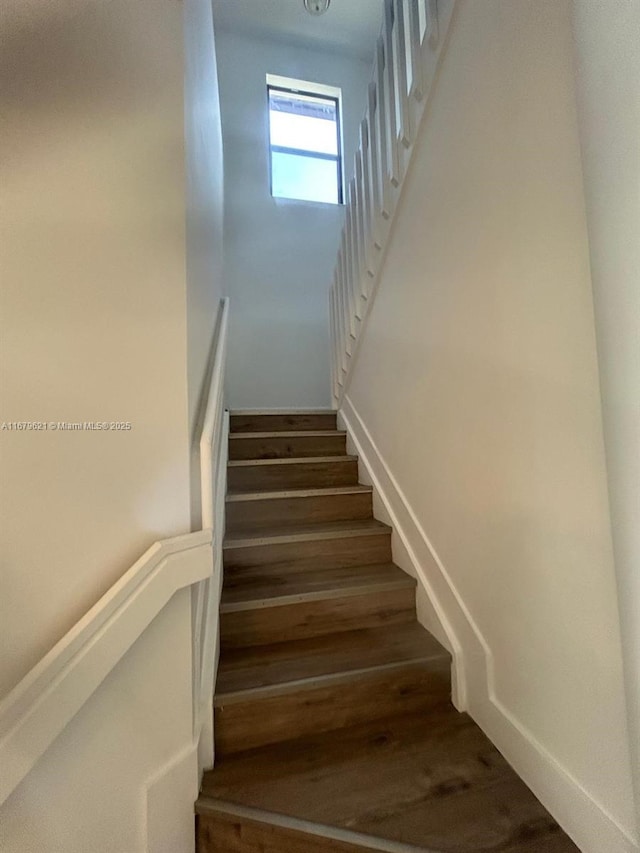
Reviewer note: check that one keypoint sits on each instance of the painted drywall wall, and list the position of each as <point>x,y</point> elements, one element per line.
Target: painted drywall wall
<point>92,307</point>
<point>477,379</point>
<point>205,216</point>
<point>123,774</point>
<point>606,39</point>
<point>279,255</point>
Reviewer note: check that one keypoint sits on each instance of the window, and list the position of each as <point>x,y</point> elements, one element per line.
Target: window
<point>304,141</point>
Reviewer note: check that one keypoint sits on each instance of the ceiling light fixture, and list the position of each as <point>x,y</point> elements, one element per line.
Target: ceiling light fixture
<point>316,7</point>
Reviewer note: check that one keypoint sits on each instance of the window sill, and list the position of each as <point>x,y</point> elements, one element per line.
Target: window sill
<point>298,202</point>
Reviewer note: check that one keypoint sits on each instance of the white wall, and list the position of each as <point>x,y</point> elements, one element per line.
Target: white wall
<point>279,255</point>
<point>477,379</point>
<point>607,35</point>
<point>111,277</point>
<point>122,777</point>
<point>92,307</point>
<point>94,320</point>
<point>205,214</point>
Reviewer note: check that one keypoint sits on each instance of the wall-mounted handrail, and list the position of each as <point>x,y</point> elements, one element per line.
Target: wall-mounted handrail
<point>407,54</point>
<point>213,461</point>
<point>36,711</point>
<point>213,418</point>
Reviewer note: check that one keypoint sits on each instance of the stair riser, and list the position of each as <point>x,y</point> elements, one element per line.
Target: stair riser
<point>227,834</point>
<point>287,447</point>
<point>314,554</point>
<point>306,475</point>
<point>260,514</point>
<point>258,722</point>
<point>306,619</point>
<point>285,422</point>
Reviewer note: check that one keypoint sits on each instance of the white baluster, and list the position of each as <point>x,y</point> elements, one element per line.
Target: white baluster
<point>349,328</point>
<point>367,203</point>
<point>360,214</point>
<point>335,338</point>
<point>374,166</point>
<point>400,65</point>
<point>354,283</point>
<point>383,139</point>
<point>390,119</point>
<point>413,47</point>
<point>433,30</point>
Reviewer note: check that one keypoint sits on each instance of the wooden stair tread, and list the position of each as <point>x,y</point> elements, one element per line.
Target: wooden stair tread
<point>305,533</point>
<point>265,666</point>
<point>301,433</point>
<point>295,460</point>
<point>434,781</point>
<point>285,494</point>
<point>300,836</point>
<point>285,421</point>
<point>258,589</point>
<point>258,413</point>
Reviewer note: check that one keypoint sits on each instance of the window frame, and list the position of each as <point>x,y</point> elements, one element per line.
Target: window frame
<point>303,152</point>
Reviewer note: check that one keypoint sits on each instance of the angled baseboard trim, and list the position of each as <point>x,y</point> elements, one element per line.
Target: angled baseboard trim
<point>585,819</point>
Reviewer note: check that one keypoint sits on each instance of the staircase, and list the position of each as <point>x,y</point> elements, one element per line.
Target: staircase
<point>333,722</point>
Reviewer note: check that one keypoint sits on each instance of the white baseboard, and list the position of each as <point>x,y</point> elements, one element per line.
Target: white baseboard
<point>461,635</point>
<point>584,819</point>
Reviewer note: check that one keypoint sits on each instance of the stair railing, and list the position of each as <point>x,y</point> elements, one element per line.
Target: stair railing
<point>206,597</point>
<point>407,54</point>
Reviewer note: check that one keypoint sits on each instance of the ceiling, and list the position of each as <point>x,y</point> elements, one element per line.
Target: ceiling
<point>350,27</point>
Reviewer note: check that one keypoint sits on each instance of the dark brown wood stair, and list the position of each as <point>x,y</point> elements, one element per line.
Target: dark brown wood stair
<point>333,722</point>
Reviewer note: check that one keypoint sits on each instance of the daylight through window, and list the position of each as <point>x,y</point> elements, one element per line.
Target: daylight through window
<point>304,144</point>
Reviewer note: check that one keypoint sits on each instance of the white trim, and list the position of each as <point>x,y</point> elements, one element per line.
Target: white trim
<point>211,426</point>
<point>586,820</point>
<point>464,638</point>
<point>51,694</point>
<point>304,86</point>
<point>211,636</point>
<point>213,462</point>
<point>394,151</point>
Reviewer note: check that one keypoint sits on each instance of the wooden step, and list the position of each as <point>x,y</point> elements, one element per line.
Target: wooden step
<point>270,587</point>
<point>433,781</point>
<point>262,610</point>
<point>313,472</point>
<point>253,718</point>
<point>271,421</point>
<point>329,545</point>
<point>266,666</point>
<point>330,683</point>
<point>287,445</point>
<point>224,827</point>
<point>258,510</point>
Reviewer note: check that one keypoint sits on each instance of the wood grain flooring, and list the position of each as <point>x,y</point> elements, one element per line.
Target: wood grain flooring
<point>286,445</point>
<point>260,510</point>
<point>240,422</point>
<point>302,473</point>
<point>432,780</point>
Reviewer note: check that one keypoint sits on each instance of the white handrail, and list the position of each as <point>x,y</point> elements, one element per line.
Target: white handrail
<point>36,711</point>
<point>408,51</point>
<point>206,597</point>
<point>211,425</point>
